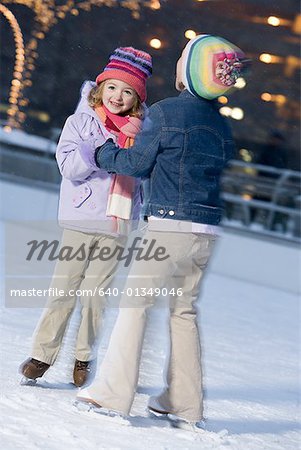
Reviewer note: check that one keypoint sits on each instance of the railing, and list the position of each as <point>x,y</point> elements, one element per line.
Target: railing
<point>263,199</point>
<point>258,199</point>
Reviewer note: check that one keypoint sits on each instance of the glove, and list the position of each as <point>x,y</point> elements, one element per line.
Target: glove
<point>98,149</point>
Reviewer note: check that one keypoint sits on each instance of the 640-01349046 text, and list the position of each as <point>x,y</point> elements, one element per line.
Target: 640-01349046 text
<point>109,292</point>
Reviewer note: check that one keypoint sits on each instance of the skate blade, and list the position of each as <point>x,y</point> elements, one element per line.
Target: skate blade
<point>84,406</point>
<point>181,424</point>
<point>107,414</point>
<point>198,428</point>
<point>27,381</point>
<point>156,415</point>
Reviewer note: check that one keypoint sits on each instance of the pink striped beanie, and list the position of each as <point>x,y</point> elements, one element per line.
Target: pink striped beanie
<point>131,66</point>
<point>211,66</point>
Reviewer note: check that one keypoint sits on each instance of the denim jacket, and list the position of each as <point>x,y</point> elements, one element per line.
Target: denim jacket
<point>182,150</point>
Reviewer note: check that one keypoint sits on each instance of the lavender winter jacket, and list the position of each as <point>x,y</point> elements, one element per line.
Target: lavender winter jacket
<point>85,187</point>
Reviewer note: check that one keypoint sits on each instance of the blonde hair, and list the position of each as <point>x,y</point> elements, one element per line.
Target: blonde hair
<point>95,99</point>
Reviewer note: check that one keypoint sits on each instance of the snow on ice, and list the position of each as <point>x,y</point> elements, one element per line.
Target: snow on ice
<point>251,355</point>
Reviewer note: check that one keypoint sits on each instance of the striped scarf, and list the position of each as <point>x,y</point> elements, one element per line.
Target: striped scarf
<point>122,187</point>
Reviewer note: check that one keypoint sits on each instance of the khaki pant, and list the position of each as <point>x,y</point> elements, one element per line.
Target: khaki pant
<point>116,384</point>
<point>69,276</point>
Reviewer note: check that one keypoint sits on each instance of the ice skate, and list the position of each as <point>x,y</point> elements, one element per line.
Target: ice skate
<point>83,372</point>
<point>31,369</point>
<point>85,403</point>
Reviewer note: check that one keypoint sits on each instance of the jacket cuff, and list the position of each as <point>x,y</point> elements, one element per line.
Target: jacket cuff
<point>87,151</point>
<point>97,151</point>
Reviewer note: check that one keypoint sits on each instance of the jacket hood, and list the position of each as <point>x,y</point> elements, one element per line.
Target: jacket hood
<point>83,105</point>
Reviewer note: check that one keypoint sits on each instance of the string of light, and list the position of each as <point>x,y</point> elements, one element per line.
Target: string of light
<point>47,14</point>
<point>18,67</point>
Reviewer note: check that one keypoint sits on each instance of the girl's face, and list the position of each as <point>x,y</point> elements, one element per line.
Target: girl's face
<point>118,97</point>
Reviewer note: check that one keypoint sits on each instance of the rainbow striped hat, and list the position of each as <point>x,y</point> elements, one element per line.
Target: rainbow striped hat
<point>211,66</point>
<point>131,66</point>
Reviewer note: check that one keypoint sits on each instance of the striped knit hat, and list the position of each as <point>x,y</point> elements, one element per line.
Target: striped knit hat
<point>131,66</point>
<point>211,66</point>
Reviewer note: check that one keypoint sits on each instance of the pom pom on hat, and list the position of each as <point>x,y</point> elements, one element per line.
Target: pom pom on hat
<point>131,66</point>
<point>211,66</point>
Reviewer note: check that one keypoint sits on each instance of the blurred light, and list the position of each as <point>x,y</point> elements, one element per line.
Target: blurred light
<point>47,14</point>
<point>234,113</point>
<point>281,99</point>
<point>155,43</point>
<point>32,44</point>
<point>292,64</point>
<point>40,35</point>
<point>190,34</point>
<point>237,114</point>
<point>266,97</point>
<point>225,111</point>
<point>7,129</point>
<point>44,117</point>
<point>247,197</point>
<point>274,21</point>
<point>246,155</point>
<point>16,82</point>
<point>222,99</point>
<point>266,58</point>
<point>21,115</point>
<point>240,83</point>
<point>297,24</point>
<point>155,4</point>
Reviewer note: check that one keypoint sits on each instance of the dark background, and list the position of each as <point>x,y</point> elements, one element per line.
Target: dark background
<point>77,48</point>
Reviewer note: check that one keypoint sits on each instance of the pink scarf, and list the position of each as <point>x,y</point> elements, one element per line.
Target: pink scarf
<point>120,201</point>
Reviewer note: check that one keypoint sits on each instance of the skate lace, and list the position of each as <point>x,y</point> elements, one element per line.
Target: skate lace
<point>82,365</point>
<point>39,364</point>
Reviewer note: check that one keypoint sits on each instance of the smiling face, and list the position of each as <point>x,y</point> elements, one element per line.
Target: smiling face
<point>118,97</point>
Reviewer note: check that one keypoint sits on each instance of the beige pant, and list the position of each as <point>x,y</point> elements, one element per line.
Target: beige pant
<point>68,277</point>
<point>116,384</point>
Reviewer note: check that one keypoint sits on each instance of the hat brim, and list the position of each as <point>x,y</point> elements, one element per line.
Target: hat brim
<point>133,81</point>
